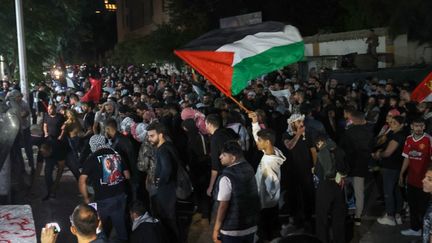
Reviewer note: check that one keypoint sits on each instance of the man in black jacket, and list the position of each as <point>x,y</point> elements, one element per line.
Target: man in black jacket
<point>237,194</point>
<point>357,143</point>
<point>163,189</point>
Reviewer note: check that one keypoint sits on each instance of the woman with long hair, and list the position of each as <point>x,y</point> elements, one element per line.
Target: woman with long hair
<point>70,137</point>
<point>391,158</point>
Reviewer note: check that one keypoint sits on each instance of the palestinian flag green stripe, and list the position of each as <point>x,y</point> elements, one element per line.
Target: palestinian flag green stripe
<point>268,61</point>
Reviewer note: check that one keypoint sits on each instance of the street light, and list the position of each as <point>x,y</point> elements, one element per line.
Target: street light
<point>21,49</point>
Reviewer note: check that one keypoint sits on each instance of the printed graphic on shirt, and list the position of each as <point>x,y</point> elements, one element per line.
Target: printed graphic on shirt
<point>111,169</point>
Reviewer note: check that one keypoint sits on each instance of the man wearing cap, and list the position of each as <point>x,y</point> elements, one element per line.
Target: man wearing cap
<point>303,156</point>
<point>109,194</point>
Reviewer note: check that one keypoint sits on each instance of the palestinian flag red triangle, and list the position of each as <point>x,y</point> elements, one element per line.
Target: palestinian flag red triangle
<point>215,66</point>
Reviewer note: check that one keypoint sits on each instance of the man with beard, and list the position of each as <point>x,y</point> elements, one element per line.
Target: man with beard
<point>124,147</point>
<point>108,174</point>
<point>163,188</point>
<point>302,154</point>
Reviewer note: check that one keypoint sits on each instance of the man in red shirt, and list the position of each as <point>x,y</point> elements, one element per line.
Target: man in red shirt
<point>417,153</point>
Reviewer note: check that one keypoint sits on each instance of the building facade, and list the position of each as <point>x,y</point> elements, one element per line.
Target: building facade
<point>137,18</point>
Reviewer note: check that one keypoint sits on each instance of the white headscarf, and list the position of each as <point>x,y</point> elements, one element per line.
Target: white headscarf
<point>293,118</point>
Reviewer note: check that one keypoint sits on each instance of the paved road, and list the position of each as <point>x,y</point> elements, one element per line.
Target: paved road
<point>58,210</point>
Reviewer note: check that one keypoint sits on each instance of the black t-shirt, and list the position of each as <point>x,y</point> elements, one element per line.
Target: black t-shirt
<point>217,141</point>
<point>105,171</point>
<point>394,161</point>
<point>300,155</point>
<point>357,142</point>
<point>89,120</point>
<point>54,124</point>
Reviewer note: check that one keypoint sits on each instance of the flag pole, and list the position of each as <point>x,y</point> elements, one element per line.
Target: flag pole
<point>239,104</point>
<point>194,77</point>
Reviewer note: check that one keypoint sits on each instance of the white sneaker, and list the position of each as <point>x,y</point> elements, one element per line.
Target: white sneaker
<point>398,219</point>
<point>410,232</point>
<point>387,220</point>
<point>357,221</point>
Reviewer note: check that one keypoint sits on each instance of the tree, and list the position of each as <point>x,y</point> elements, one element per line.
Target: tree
<point>49,26</point>
<point>402,17</point>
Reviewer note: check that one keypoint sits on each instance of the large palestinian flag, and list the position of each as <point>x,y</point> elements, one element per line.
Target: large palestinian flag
<point>230,57</point>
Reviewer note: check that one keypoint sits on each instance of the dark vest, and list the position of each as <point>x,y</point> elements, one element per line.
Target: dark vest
<point>244,203</point>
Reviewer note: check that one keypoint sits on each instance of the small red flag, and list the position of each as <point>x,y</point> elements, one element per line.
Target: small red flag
<point>95,92</point>
<point>423,91</point>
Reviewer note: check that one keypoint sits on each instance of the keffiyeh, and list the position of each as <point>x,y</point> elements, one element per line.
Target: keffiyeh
<point>97,142</point>
<point>293,118</point>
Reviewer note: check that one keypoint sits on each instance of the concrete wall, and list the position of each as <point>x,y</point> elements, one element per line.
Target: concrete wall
<point>419,53</point>
<point>404,52</point>
<point>348,46</point>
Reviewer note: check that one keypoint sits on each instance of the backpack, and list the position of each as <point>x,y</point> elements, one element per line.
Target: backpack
<point>337,165</point>
<point>146,158</point>
<point>184,187</point>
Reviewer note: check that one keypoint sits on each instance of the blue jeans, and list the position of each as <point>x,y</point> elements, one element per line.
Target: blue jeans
<point>237,239</point>
<point>114,209</point>
<point>392,193</point>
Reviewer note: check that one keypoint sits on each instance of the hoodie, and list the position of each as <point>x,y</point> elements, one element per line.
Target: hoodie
<point>147,229</point>
<point>146,218</point>
<point>268,175</point>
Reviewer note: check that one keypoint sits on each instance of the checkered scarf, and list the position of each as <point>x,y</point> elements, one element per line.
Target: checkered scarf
<point>97,142</point>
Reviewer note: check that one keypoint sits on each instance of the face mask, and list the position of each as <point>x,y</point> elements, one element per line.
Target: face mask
<point>58,98</point>
<point>296,86</point>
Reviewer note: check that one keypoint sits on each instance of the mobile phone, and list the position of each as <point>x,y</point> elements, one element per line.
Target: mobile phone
<point>56,227</point>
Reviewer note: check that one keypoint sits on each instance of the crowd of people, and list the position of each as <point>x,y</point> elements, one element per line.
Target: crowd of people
<point>296,154</point>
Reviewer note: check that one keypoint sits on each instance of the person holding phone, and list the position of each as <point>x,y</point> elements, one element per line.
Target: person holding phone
<point>84,224</point>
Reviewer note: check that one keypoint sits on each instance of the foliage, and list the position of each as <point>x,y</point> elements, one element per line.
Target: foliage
<point>401,16</point>
<point>187,21</point>
<point>49,26</point>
